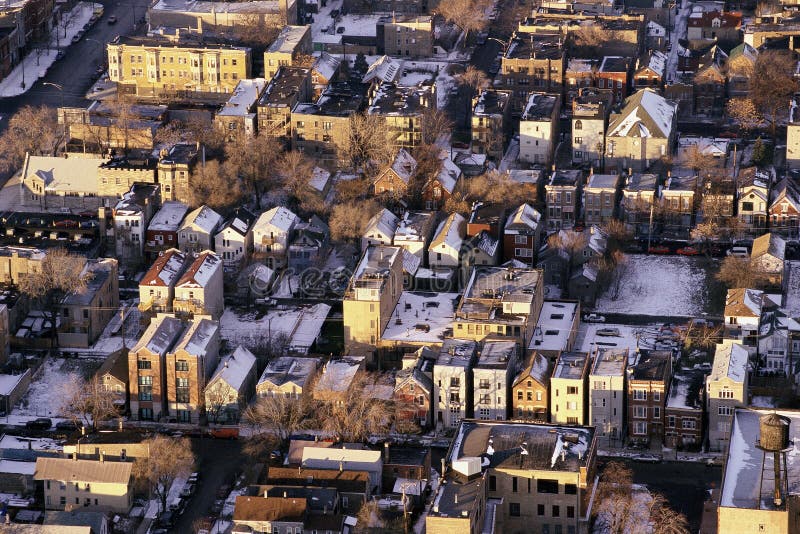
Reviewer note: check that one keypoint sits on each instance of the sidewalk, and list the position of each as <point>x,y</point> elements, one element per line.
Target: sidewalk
<point>36,64</point>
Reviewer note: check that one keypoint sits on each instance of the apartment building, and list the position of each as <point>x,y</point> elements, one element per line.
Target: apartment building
<point>453,382</point>
<point>491,122</point>
<point>531,63</point>
<point>272,232</point>
<point>197,230</point>
<point>530,392</point>
<point>175,166</point>
<point>590,111</point>
<point>726,389</point>
<point>607,395</point>
<point>538,128</point>
<point>189,367</point>
<point>522,235</point>
<point>557,328</point>
<point>146,368</point>
<point>614,74</point>
<point>684,412</point>
<point>233,242</point>
<point>86,313</point>
<point>291,44</point>
<point>131,216</point>
<point>161,68</point>
<point>237,118</point>
<point>569,393</point>
<point>16,262</point>
<point>600,197</point>
<point>406,35</point>
<point>677,204</point>
<point>288,87</point>
<point>563,198</point>
<point>648,382</point>
<point>403,109</point>
<point>639,196</point>
<point>371,296</point>
<point>534,478</point>
<point>793,134</point>
<point>493,375</point>
<point>157,286</point>
<point>500,302</point>
<point>199,291</point>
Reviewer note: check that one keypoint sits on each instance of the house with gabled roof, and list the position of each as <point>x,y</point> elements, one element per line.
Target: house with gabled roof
<point>380,229</point>
<point>271,233</point>
<point>337,377</point>
<point>726,389</point>
<point>753,198</point>
<point>309,244</point>
<point>233,242</point>
<point>522,235</point>
<point>767,257</point>
<point>199,291</point>
<point>231,387</point>
<point>445,247</point>
<point>784,210</point>
<point>743,312</point>
<point>287,376</point>
<point>394,179</point>
<point>530,390</point>
<point>414,232</point>
<point>269,514</point>
<point>157,286</point>
<point>643,132</point>
<point>197,230</point>
<point>441,186</point>
<point>324,70</point>
<point>189,365</point>
<point>162,232</point>
<point>72,483</point>
<point>413,395</point>
<point>651,70</point>
<point>740,67</point>
<point>482,248</point>
<point>714,24</point>
<point>113,376</point>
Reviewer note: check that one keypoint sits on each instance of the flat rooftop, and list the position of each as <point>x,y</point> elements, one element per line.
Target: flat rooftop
<point>609,362</point>
<point>497,354</point>
<point>284,88</point>
<point>288,39</point>
<point>540,107</point>
<point>491,102</point>
<point>535,47</point>
<point>565,178</point>
<point>457,353</point>
<point>555,325</point>
<point>421,317</point>
<point>189,42</point>
<point>570,365</point>
<point>489,287</point>
<point>332,103</point>
<point>391,99</point>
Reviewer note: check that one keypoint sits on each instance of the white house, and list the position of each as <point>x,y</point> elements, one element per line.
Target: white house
<point>234,240</point>
<point>743,311</point>
<point>380,229</point>
<point>607,395</point>
<point>198,228</point>
<point>726,390</point>
<point>271,234</point>
<point>345,460</point>
<point>157,286</point>
<point>452,382</point>
<point>493,376</point>
<point>199,291</point>
<point>445,248</point>
<point>287,375</point>
<point>131,216</point>
<point>231,386</point>
<point>538,127</point>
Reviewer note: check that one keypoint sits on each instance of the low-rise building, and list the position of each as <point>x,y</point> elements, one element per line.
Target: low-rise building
<point>231,387</point>
<point>48,182</point>
<point>291,44</point>
<point>452,382</point>
<point>86,313</point>
<point>174,169</point>
<point>648,383</point>
<point>491,122</point>
<point>556,329</point>
<point>403,109</point>
<point>233,242</point>
<point>538,128</point>
<point>600,196</point>
<point>607,394</point>
<point>287,376</point>
<point>726,389</point>
<point>684,412</point>
<point>493,374</point>
<point>590,111</point>
<point>199,291</point>
<point>269,514</point>
<point>639,196</point>
<point>522,235</point>
<point>408,36</point>
<point>337,378</point>
<point>271,233</point>
<point>563,198</point>
<point>189,365</point>
<point>569,395</point>
<point>237,118</point>
<point>414,233</point>
<point>131,217</point>
<point>157,286</point>
<point>288,87</point>
<point>72,483</point>
<point>753,200</point>
<point>742,313</point>
<point>530,390</point>
<point>445,248</point>
<point>197,230</point>
<point>784,210</point>
<point>394,179</point>
<point>162,232</point>
<point>767,258</point>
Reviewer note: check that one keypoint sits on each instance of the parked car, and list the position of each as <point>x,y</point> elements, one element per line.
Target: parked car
<point>166,519</point>
<point>658,249</point>
<point>739,252</point>
<point>688,251</point>
<point>608,332</point>
<point>76,37</point>
<point>42,423</point>
<point>68,426</point>
<point>647,458</point>
<point>225,433</point>
<point>340,29</point>
<point>112,19</point>
<point>594,318</point>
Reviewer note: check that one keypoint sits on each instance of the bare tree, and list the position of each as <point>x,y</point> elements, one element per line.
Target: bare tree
<point>773,84</point>
<point>371,520</point>
<point>617,235</point>
<point>349,220</point>
<point>255,162</point>
<point>169,459</point>
<point>58,275</point>
<point>744,111</point>
<point>255,30</point>
<point>89,402</point>
<point>738,272</point>
<point>469,15</point>
<point>357,414</point>
<point>31,130</point>
<point>435,123</point>
<point>368,144</point>
<point>217,398</point>
<point>215,185</point>
<point>492,186</point>
<point>296,171</point>
<point>278,415</point>
<point>66,17</point>
<point>570,242</point>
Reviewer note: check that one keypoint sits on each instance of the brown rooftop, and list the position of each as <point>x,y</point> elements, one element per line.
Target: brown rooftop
<point>269,509</point>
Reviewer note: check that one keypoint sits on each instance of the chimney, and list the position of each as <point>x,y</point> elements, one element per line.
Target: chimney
<point>341,465</point>
<point>102,456</point>
<point>75,456</point>
<point>386,452</point>
<point>630,171</point>
<point>455,498</point>
<point>284,495</point>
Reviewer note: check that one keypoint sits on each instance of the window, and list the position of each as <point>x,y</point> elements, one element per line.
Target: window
<point>519,395</point>
<point>146,414</point>
<point>639,395</point>
<point>544,485</point>
<point>639,427</point>
<point>492,483</point>
<point>688,424</point>
<point>640,412</point>
<point>656,412</point>
<point>726,394</point>
<point>556,511</point>
<point>578,140</point>
<point>181,365</point>
<point>540,509</point>
<point>514,485</point>
<point>572,390</point>
<point>182,390</point>
<point>145,388</point>
<point>570,489</point>
<point>725,410</point>
<point>656,395</point>
<point>484,383</point>
<point>570,511</point>
<point>455,382</point>
<point>578,125</point>
<point>671,421</point>
<point>572,420</point>
<point>144,364</point>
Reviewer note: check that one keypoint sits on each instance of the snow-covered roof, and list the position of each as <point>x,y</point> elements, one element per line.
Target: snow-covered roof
<point>646,114</point>
<point>486,242</point>
<point>449,173</point>
<point>240,222</point>
<point>203,218</point>
<point>771,244</point>
<point>655,29</point>
<point>301,324</point>
<point>685,389</point>
<point>421,317</point>
<point>707,146</point>
<point>337,375</point>
<point>411,262</point>
<point>404,165</point>
<point>384,69</point>
<point>609,362</point>
<point>8,383</point>
<point>160,336</point>
<point>730,361</point>
<point>319,179</point>
<point>524,218</point>
<point>384,222</point>
<point>451,232</point>
<point>197,338</point>
<point>243,98</point>
<point>746,464</point>
<point>326,65</point>
<point>234,369</point>
<point>539,370</point>
<point>657,62</point>
<point>554,327</point>
<point>169,217</point>
<point>743,302</point>
<point>165,270</point>
<point>278,217</point>
<point>289,369</point>
<point>288,39</point>
<point>570,365</point>
<point>201,270</point>
<point>64,175</point>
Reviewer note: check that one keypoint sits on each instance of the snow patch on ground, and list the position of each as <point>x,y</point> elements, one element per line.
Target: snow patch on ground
<point>49,391</point>
<point>658,285</point>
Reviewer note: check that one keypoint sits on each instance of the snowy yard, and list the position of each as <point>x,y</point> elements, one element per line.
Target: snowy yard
<point>660,286</point>
<point>50,388</point>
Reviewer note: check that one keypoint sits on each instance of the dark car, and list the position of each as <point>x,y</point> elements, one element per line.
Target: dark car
<point>68,426</point>
<point>42,423</point>
<point>166,519</point>
<point>340,29</point>
<point>112,19</point>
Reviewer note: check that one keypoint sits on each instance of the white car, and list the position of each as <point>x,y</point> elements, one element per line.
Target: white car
<point>594,318</point>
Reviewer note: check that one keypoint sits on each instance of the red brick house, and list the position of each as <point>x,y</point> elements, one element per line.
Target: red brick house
<point>394,179</point>
<point>440,187</point>
<point>162,232</point>
<point>683,423</point>
<point>614,74</point>
<point>784,211</point>
<point>522,235</point>
<point>413,393</point>
<point>722,26</point>
<point>648,381</point>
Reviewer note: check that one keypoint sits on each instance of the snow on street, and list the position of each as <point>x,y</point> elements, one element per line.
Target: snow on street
<point>678,32</point>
